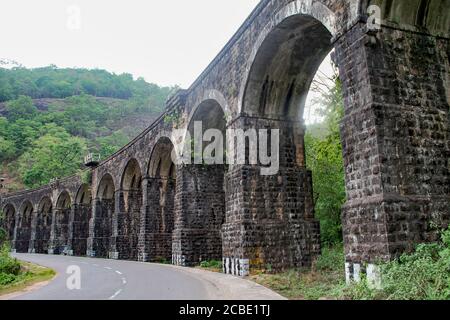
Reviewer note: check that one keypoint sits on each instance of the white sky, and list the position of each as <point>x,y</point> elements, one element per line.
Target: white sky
<point>165,42</point>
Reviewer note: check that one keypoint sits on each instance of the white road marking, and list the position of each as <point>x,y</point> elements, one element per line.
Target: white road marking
<point>118,272</point>
<point>108,268</point>
<point>124,281</point>
<point>115,294</point>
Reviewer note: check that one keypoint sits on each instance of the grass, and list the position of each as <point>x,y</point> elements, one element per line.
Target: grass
<point>29,275</point>
<point>325,280</point>
<point>213,265</point>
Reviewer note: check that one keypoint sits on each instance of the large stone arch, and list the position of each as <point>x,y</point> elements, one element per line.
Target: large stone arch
<point>62,213</point>
<point>158,204</point>
<point>43,225</point>
<point>129,206</point>
<point>200,196</point>
<point>82,213</point>
<point>9,220</point>
<point>277,208</point>
<point>310,12</point>
<point>23,236</point>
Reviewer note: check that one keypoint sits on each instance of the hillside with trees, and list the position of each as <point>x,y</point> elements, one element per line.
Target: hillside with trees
<point>50,118</point>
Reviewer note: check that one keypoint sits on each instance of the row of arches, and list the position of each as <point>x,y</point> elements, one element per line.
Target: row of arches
<point>177,212</point>
<point>46,227</point>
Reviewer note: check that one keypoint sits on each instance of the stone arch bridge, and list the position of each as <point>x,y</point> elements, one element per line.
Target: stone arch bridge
<point>139,205</point>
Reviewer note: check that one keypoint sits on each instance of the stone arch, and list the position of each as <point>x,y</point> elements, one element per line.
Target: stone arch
<point>278,208</point>
<point>160,200</point>
<point>128,219</point>
<point>430,15</point>
<point>200,196</point>
<point>84,194</point>
<point>82,213</point>
<point>131,175</point>
<point>106,187</point>
<point>43,225</point>
<point>23,236</point>
<point>161,164</point>
<point>9,220</point>
<point>295,10</point>
<point>104,211</point>
<point>62,219</point>
<point>278,90</point>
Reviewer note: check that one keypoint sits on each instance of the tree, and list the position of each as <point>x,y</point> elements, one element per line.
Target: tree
<point>21,108</point>
<point>324,159</point>
<point>7,149</point>
<point>53,155</point>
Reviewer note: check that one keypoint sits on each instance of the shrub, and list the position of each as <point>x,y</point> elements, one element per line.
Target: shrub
<point>421,275</point>
<point>8,265</point>
<point>6,278</point>
<point>211,264</point>
<point>331,259</point>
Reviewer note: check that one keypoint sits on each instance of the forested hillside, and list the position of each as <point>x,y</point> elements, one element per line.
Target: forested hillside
<point>50,118</point>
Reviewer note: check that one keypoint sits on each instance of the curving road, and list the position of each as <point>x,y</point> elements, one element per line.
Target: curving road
<point>103,279</point>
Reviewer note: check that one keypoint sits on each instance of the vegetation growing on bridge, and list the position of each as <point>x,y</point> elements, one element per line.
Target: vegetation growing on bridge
<point>47,138</point>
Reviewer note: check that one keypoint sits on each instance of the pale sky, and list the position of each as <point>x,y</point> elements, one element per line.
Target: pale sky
<point>165,42</point>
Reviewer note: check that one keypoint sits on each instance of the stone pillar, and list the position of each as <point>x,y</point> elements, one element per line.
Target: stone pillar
<point>270,222</point>
<point>71,230</point>
<point>155,240</point>
<point>125,225</point>
<point>34,221</point>
<point>142,242</point>
<point>395,136</point>
<point>100,228</point>
<point>93,240</point>
<point>23,234</point>
<point>80,228</point>
<point>199,214</point>
<point>14,239</point>
<point>52,241</point>
<point>118,217</point>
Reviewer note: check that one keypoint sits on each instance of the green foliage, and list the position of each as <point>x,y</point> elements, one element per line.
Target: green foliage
<point>53,82</point>
<point>421,275</point>
<point>331,259</point>
<point>213,264</point>
<point>324,280</point>
<point>7,149</point>
<point>54,155</point>
<point>8,265</point>
<point>324,159</point>
<point>110,144</point>
<point>21,108</point>
<point>51,142</point>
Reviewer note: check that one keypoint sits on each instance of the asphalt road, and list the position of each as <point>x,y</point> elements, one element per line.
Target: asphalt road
<point>102,279</point>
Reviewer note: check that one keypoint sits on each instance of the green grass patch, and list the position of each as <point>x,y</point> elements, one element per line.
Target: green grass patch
<point>421,275</point>
<point>212,265</point>
<point>325,280</point>
<point>16,275</point>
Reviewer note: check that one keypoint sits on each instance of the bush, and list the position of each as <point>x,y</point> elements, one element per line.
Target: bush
<point>421,275</point>
<point>8,265</point>
<point>331,259</point>
<point>6,278</point>
<point>211,264</point>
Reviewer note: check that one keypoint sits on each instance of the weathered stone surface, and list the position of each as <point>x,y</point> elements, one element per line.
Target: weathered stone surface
<point>395,134</point>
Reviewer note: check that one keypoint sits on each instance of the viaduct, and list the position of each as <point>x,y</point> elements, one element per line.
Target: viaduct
<point>139,205</point>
